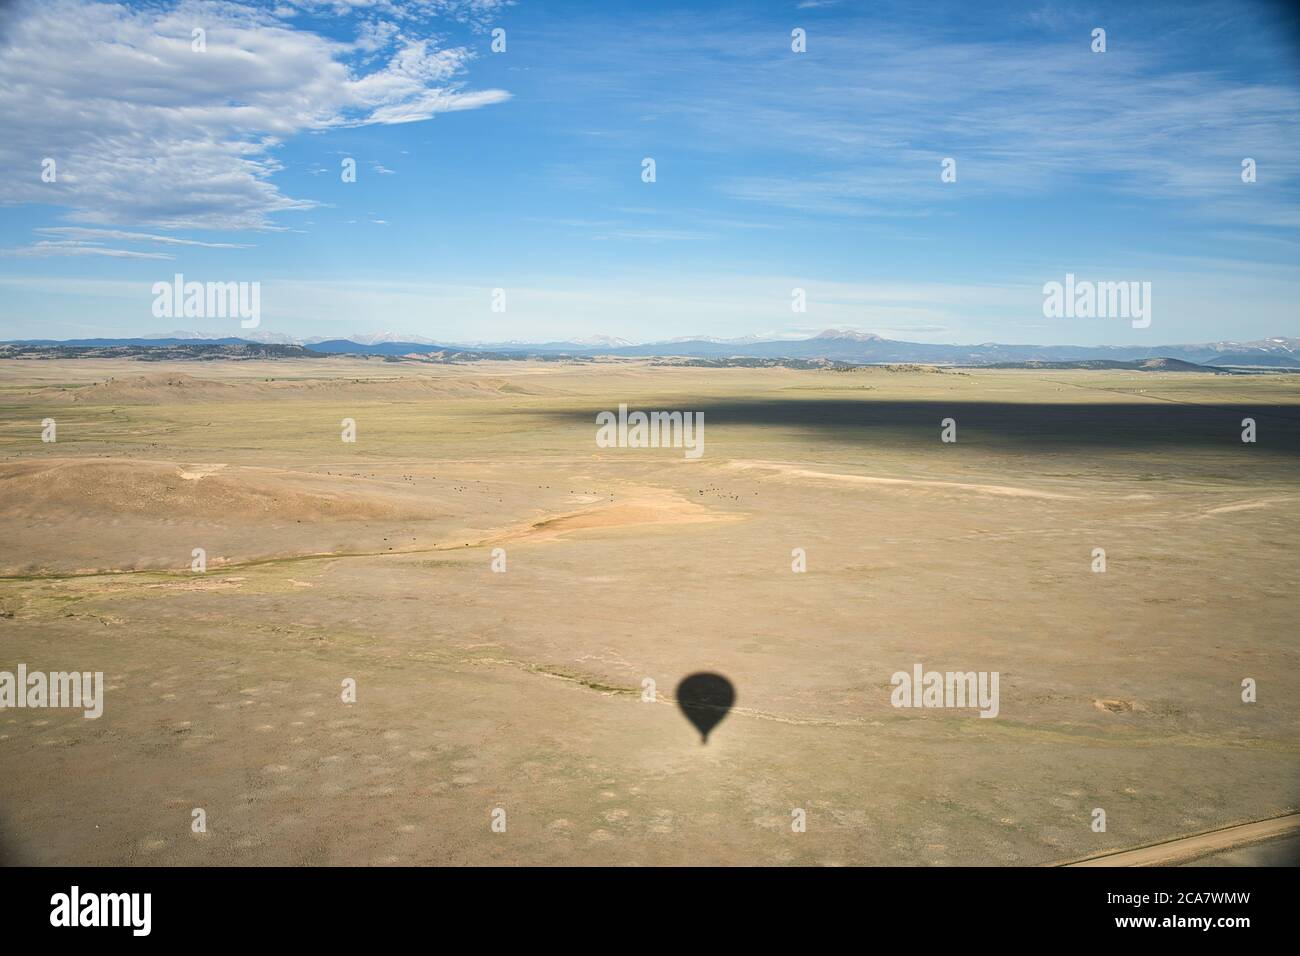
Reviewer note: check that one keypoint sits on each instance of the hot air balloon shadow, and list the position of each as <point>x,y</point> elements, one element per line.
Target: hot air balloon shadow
<point>705,699</point>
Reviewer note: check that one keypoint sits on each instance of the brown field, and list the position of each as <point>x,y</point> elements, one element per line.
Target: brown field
<point>522,690</point>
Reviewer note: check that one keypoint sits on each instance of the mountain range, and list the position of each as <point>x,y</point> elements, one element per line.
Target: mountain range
<point>838,345</point>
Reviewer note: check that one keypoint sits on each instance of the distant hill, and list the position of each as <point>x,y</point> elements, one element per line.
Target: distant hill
<point>1256,360</point>
<point>1142,365</point>
<point>347,346</point>
<point>155,352</point>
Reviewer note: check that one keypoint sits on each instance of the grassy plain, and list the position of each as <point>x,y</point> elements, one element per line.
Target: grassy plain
<point>522,690</point>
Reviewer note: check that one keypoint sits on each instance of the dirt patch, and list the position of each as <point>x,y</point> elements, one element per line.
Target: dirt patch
<point>1113,706</point>
<point>159,489</point>
<point>647,509</point>
<point>782,470</point>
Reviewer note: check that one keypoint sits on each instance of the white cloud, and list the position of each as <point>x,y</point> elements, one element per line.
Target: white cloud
<point>144,130</point>
<point>84,233</point>
<point>859,127</point>
<point>476,13</point>
<point>72,247</point>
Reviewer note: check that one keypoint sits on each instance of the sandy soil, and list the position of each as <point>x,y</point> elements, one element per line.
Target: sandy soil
<point>523,691</point>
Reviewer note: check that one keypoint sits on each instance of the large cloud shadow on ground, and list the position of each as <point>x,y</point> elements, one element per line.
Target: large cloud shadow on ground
<point>1113,426</point>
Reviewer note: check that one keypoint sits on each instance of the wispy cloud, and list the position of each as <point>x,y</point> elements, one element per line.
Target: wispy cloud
<point>476,13</point>
<point>651,235</point>
<point>859,125</point>
<point>72,247</point>
<point>85,233</point>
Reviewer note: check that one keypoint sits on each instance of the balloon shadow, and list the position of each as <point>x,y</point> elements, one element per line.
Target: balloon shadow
<point>705,699</point>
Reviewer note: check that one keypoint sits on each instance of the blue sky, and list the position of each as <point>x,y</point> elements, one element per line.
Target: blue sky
<point>775,170</point>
